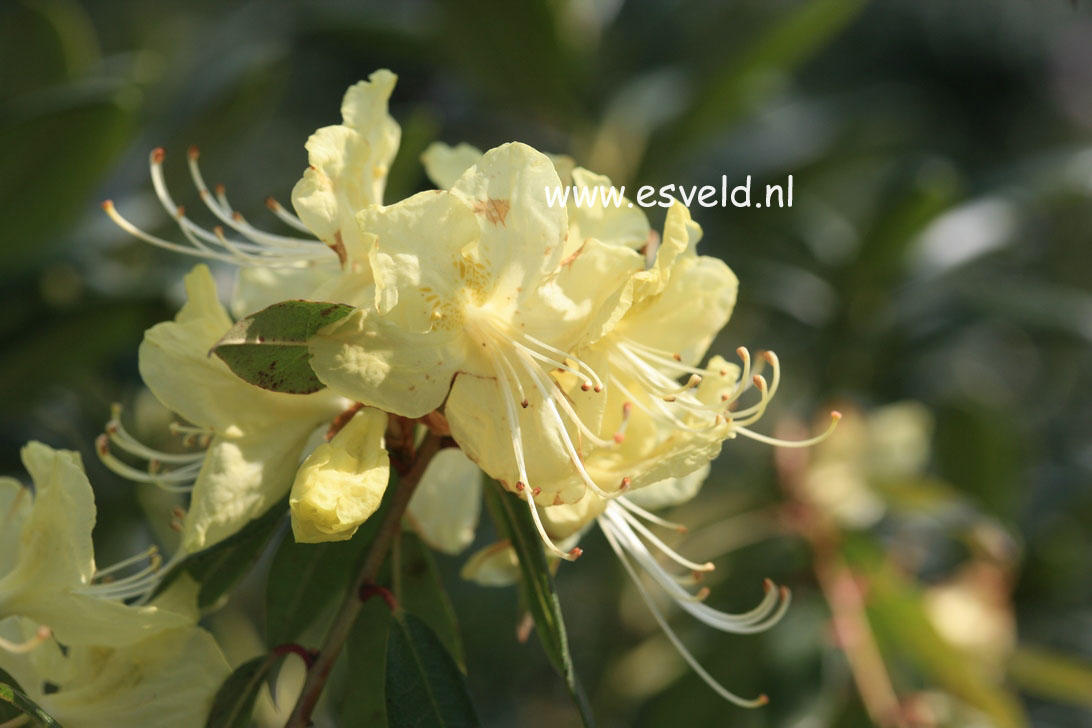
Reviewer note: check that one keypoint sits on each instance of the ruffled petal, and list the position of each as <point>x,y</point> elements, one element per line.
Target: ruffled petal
<point>522,236</point>
<point>417,257</point>
<point>624,224</point>
<point>342,482</point>
<point>445,164</point>
<point>168,680</point>
<point>348,165</point>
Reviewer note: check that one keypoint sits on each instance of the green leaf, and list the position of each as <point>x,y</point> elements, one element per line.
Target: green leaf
<point>513,522</point>
<point>221,565</point>
<point>424,686</point>
<point>13,697</point>
<point>1051,675</point>
<point>365,702</point>
<point>234,702</point>
<point>269,348</point>
<point>303,580</point>
<point>420,590</point>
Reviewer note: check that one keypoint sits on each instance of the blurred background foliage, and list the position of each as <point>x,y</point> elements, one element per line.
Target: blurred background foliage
<point>938,254</point>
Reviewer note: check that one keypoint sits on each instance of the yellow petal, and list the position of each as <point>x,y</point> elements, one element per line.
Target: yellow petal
<point>241,478</point>
<point>444,164</point>
<point>444,508</point>
<point>521,235</point>
<point>624,225</point>
<point>417,256</point>
<point>369,359</point>
<point>475,411</point>
<point>14,509</point>
<point>175,364</point>
<point>342,482</point>
<point>494,565</point>
<point>168,680</point>
<point>349,165</point>
<point>257,288</point>
<point>670,492</point>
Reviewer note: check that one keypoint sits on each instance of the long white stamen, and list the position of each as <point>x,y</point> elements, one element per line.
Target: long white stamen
<point>685,653</point>
<point>566,355</point>
<point>650,517</point>
<point>258,248</point>
<point>150,552</point>
<point>21,648</point>
<point>756,620</point>
<point>287,217</point>
<point>776,442</point>
<point>563,431</point>
<point>663,547</point>
<point>228,216</point>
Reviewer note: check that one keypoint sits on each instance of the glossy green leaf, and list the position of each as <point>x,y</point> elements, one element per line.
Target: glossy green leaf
<point>269,348</point>
<point>365,702</point>
<point>304,579</point>
<point>424,686</point>
<point>234,702</point>
<point>513,522</point>
<point>420,590</point>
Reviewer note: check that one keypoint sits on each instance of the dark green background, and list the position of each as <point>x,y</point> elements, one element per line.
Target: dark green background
<point>889,114</point>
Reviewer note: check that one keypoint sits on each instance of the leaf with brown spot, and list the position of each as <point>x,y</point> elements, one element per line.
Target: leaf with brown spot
<point>269,348</point>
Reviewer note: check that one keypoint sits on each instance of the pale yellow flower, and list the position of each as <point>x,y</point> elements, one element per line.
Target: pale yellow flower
<point>341,483</point>
<point>348,165</point>
<point>255,437</point>
<point>167,678</point>
<point>476,306</point>
<point>47,563</point>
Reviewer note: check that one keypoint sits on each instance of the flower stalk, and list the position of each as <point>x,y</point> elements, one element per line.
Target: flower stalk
<point>352,605</point>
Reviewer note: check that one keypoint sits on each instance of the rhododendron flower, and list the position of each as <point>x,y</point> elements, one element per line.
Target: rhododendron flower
<point>47,563</point>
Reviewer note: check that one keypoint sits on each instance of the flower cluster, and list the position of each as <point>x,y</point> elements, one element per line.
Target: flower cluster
<point>562,350</point>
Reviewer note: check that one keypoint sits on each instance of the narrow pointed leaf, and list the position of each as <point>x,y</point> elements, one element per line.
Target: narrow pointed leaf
<point>513,521</point>
<point>13,701</point>
<point>304,579</point>
<point>365,701</point>
<point>269,348</point>
<point>424,686</point>
<point>234,702</point>
<point>421,591</point>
